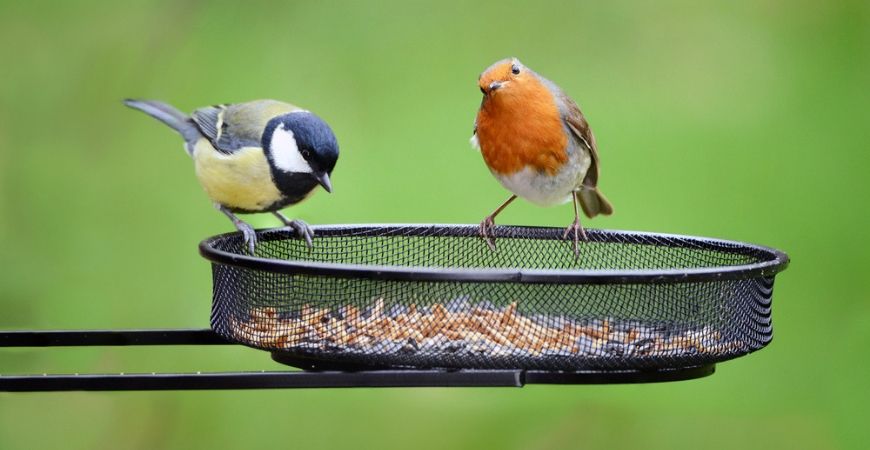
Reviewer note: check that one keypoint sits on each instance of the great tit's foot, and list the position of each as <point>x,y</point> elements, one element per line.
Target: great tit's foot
<point>247,230</point>
<point>303,231</point>
<point>485,230</point>
<point>579,233</point>
<point>300,227</point>
<point>249,234</point>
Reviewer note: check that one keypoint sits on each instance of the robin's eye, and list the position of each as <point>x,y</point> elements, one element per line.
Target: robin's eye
<point>515,69</point>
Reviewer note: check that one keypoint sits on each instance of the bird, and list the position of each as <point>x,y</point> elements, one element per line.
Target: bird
<point>254,157</point>
<point>536,142</point>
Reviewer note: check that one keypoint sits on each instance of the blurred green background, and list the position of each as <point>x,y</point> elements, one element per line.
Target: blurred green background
<point>742,120</point>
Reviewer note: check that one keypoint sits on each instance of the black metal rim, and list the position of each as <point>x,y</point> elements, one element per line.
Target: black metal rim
<point>775,262</point>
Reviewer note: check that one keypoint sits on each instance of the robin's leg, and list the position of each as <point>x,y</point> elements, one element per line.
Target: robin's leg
<point>246,229</point>
<point>576,227</point>
<point>302,229</point>
<point>489,222</point>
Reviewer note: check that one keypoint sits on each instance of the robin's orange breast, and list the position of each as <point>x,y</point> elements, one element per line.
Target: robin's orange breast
<point>520,126</point>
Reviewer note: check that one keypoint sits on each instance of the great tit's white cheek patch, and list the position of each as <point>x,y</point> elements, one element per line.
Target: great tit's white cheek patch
<point>285,152</point>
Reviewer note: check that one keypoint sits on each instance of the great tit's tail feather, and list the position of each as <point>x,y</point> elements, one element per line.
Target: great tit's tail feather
<point>594,202</point>
<point>172,117</point>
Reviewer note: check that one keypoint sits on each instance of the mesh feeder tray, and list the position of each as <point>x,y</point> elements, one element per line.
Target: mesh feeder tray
<point>379,297</point>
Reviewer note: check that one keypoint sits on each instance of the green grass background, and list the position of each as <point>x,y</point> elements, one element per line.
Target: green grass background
<point>743,120</point>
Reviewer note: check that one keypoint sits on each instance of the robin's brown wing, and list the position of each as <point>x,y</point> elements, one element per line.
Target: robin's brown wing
<point>591,199</point>
<point>580,127</point>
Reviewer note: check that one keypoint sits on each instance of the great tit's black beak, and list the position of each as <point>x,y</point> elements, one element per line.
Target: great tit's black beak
<point>323,179</point>
<point>494,85</point>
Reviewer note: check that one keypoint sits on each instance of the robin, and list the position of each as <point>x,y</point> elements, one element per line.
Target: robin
<point>536,142</point>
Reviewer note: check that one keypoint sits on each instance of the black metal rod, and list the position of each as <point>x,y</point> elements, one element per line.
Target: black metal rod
<point>76,338</point>
<point>283,379</point>
<point>333,379</point>
<point>260,380</point>
<point>617,376</point>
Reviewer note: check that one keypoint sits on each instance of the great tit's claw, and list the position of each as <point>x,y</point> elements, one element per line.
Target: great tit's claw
<point>249,234</point>
<point>303,230</point>
<point>300,227</point>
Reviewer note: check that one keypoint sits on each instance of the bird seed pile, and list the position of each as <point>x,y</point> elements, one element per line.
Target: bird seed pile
<point>460,328</point>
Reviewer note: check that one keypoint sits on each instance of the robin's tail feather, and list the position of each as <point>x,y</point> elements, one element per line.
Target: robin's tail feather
<point>594,202</point>
<point>172,117</point>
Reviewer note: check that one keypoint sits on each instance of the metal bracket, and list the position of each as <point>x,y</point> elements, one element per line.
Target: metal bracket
<point>283,379</point>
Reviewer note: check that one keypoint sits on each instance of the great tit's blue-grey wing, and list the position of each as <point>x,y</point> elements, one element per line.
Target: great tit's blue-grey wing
<point>231,127</point>
<point>210,120</point>
<point>207,119</point>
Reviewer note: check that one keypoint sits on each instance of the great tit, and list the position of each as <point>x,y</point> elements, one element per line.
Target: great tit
<point>259,156</point>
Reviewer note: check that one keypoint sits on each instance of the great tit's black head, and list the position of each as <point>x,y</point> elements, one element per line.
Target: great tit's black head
<point>301,143</point>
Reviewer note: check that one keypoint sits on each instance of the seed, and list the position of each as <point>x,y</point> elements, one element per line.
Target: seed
<point>460,327</point>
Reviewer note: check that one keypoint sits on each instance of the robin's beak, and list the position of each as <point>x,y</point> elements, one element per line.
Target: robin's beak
<point>494,85</point>
<point>323,179</point>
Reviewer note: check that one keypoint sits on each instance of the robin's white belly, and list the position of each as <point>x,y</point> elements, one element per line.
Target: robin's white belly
<point>544,189</point>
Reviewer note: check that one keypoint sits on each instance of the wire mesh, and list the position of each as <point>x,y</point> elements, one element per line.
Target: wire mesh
<point>437,296</point>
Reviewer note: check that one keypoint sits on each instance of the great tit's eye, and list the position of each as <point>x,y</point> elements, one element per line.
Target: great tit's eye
<point>515,69</point>
<point>482,90</point>
<point>305,153</point>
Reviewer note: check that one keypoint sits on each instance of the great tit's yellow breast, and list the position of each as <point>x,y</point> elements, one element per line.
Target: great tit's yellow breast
<point>241,180</point>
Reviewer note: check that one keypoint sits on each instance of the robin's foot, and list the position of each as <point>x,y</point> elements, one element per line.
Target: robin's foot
<point>579,233</point>
<point>489,223</point>
<point>301,228</point>
<point>485,230</point>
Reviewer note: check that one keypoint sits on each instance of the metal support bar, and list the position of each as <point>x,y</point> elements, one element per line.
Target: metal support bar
<point>79,338</point>
<point>260,380</point>
<point>332,379</point>
<point>617,376</point>
<point>284,379</point>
